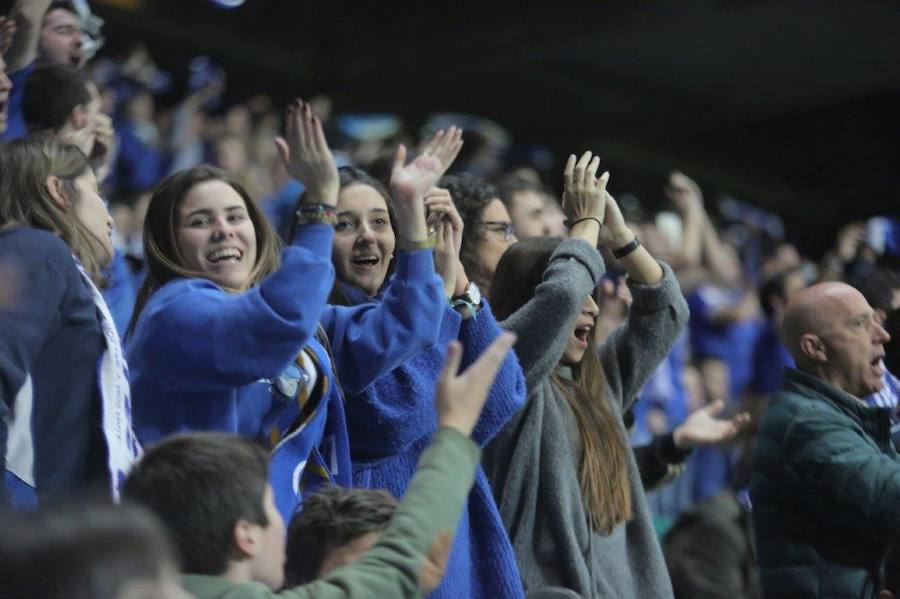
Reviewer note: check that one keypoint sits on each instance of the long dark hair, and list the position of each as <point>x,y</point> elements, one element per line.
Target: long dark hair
<point>605,486</point>
<point>164,259</point>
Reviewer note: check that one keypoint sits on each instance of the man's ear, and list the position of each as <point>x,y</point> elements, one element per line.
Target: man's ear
<point>813,348</point>
<point>247,538</point>
<point>54,188</point>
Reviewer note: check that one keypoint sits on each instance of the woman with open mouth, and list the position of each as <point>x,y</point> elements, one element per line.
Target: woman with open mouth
<point>392,421</point>
<point>226,332</point>
<point>562,472</point>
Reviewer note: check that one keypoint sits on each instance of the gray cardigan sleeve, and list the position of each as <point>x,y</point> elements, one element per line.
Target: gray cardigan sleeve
<point>544,323</point>
<point>634,350</point>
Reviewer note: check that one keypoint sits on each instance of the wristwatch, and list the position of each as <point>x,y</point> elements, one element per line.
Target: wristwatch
<point>470,300</point>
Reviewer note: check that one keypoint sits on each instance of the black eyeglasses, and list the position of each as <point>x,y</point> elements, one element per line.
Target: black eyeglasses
<point>500,226</point>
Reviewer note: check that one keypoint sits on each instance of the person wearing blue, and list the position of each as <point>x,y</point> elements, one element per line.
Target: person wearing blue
<point>226,334</point>
<point>47,32</point>
<point>392,422</point>
<point>65,422</point>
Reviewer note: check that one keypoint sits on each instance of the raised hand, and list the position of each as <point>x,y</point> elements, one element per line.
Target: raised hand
<point>104,149</point>
<point>409,182</point>
<point>448,227</point>
<point>460,397</point>
<point>685,194</point>
<point>306,156</point>
<point>584,194</point>
<point>440,207</point>
<point>614,233</point>
<point>703,428</point>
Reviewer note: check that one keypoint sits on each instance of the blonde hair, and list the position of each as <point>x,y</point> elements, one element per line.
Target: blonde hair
<point>25,199</point>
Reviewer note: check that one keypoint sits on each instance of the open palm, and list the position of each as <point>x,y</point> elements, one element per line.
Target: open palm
<point>411,181</point>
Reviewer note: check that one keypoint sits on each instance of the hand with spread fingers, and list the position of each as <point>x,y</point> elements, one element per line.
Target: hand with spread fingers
<point>703,428</point>
<point>410,182</point>
<point>306,155</point>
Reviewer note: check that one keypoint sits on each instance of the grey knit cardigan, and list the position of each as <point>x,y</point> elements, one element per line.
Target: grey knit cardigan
<point>533,464</point>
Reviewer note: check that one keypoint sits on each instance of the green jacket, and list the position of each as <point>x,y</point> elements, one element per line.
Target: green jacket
<point>826,492</point>
<point>433,502</point>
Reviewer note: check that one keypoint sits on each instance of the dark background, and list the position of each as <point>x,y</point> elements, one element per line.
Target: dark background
<point>791,105</point>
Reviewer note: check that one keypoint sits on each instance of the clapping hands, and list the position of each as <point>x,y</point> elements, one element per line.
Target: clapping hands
<point>409,182</point>
<point>306,155</point>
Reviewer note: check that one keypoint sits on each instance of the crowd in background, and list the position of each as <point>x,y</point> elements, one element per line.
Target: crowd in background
<point>734,263</point>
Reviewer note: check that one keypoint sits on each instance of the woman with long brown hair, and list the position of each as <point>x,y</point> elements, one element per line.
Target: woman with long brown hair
<point>562,472</point>
<point>65,418</point>
<point>230,334</point>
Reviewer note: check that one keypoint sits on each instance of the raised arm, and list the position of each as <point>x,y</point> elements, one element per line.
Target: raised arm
<point>28,16</point>
<point>409,557</point>
<point>544,323</point>
<point>369,341</point>
<point>207,339</point>
<point>657,316</point>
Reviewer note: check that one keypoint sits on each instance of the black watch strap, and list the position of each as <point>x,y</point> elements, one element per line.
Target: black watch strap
<point>627,248</point>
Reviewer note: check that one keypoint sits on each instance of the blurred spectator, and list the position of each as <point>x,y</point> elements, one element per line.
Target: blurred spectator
<point>525,201</point>
<point>81,550</point>
<point>336,527</point>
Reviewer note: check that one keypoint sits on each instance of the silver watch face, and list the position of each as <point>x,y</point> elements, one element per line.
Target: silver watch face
<point>474,294</point>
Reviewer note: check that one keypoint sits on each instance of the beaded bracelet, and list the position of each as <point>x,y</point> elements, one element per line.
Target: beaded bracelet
<point>313,214</point>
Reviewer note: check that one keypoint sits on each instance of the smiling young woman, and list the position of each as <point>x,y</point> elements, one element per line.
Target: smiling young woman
<point>229,331</point>
<point>392,421</point>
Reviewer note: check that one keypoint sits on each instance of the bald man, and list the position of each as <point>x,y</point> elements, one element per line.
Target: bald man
<point>826,477</point>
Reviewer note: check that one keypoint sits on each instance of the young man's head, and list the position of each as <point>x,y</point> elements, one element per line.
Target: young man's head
<point>778,288</point>
<point>211,492</point>
<point>61,99</point>
<point>335,528</point>
<point>525,200</point>
<point>61,35</point>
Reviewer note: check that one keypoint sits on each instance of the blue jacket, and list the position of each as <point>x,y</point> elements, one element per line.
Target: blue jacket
<point>51,337</point>
<point>391,423</point>
<point>204,359</point>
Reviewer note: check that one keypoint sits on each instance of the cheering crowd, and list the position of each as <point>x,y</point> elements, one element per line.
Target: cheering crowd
<point>306,354</point>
